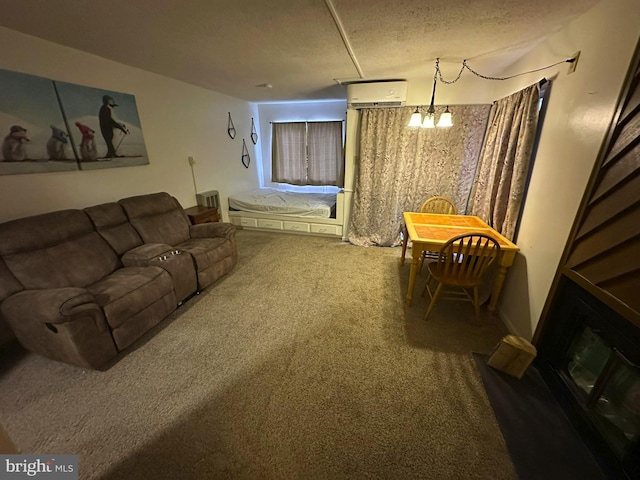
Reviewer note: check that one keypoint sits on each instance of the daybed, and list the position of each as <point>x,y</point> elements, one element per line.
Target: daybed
<point>78,286</point>
<point>292,212</point>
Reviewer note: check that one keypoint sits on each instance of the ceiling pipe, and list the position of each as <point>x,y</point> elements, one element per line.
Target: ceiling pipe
<point>343,34</point>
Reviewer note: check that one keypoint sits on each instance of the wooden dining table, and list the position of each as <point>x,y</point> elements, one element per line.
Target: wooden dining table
<point>430,231</point>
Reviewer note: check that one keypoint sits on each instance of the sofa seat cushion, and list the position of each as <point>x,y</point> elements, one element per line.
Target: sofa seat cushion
<point>129,290</point>
<point>207,251</point>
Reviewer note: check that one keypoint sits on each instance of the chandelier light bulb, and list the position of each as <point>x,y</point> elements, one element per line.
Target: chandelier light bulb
<point>416,119</point>
<point>445,119</point>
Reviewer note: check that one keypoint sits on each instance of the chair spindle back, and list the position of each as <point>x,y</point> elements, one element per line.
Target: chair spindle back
<point>441,205</point>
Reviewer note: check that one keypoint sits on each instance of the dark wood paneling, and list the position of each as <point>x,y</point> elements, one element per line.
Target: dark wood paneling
<point>633,101</point>
<point>626,139</point>
<point>619,230</point>
<point>615,263</point>
<point>623,198</point>
<point>605,248</point>
<point>619,171</point>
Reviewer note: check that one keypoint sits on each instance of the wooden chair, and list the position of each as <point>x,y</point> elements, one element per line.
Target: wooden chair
<point>440,205</point>
<point>443,206</point>
<point>435,204</point>
<point>460,265</point>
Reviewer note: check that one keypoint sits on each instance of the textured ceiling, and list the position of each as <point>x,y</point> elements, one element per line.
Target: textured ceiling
<point>232,46</point>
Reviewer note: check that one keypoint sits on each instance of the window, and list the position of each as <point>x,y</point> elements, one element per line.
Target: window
<point>307,153</point>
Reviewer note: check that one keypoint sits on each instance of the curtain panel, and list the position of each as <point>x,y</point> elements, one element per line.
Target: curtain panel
<point>498,189</point>
<point>400,167</point>
<point>325,162</point>
<point>289,152</point>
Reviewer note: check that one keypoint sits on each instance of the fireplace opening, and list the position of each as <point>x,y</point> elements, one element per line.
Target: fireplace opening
<point>607,385</point>
<point>589,358</point>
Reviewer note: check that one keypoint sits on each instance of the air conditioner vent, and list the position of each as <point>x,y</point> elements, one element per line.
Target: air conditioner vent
<point>376,104</point>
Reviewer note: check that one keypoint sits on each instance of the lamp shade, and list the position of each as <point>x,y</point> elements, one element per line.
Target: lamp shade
<point>445,119</point>
<point>416,119</point>
<point>429,121</point>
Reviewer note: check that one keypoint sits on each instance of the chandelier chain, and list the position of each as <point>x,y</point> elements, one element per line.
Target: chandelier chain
<point>438,73</point>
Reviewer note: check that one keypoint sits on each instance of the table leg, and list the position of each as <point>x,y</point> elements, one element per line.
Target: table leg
<point>412,275</point>
<point>405,238</point>
<point>497,287</point>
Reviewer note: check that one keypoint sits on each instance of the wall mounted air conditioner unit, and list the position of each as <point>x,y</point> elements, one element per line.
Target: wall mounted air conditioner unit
<point>376,94</point>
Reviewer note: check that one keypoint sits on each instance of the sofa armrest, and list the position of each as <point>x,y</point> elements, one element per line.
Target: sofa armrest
<point>53,306</point>
<point>142,255</point>
<point>211,230</point>
<point>65,324</point>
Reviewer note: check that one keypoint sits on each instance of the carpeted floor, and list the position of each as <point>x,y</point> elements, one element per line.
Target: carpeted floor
<point>303,363</point>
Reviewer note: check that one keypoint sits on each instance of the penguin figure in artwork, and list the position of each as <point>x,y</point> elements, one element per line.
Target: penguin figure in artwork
<point>56,144</point>
<point>13,144</point>
<point>108,124</point>
<point>88,151</point>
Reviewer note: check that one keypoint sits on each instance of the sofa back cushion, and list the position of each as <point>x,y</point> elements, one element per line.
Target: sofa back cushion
<point>113,225</point>
<point>158,218</point>
<point>53,250</point>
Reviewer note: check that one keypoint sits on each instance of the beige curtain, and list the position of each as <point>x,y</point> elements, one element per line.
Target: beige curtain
<point>400,167</point>
<point>289,152</point>
<point>325,163</point>
<point>500,181</point>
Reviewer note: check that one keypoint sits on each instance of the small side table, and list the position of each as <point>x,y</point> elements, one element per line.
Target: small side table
<point>200,214</point>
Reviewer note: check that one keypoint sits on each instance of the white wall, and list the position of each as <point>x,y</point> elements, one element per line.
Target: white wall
<point>580,109</point>
<point>178,120</point>
<point>293,112</point>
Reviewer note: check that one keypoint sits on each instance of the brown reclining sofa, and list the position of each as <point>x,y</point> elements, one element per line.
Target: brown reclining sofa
<point>79,286</point>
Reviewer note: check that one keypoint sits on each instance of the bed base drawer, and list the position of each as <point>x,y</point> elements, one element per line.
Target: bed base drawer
<point>297,227</point>
<point>248,222</point>
<point>270,224</point>
<point>326,229</point>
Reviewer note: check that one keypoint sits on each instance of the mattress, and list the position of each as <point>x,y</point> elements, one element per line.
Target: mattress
<point>280,202</point>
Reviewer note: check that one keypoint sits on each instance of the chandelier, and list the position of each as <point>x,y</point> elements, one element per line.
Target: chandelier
<point>446,119</point>
<point>429,121</point>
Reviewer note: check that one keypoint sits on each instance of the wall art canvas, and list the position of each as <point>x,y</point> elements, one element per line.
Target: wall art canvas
<point>49,126</point>
<point>104,127</point>
<point>34,136</point>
